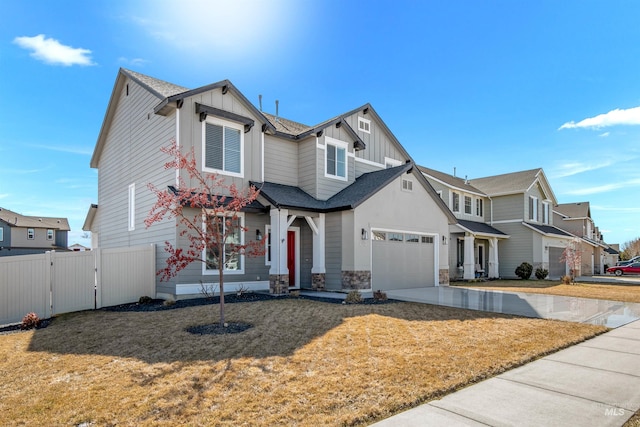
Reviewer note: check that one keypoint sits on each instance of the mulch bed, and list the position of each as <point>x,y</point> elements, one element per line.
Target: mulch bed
<point>18,328</point>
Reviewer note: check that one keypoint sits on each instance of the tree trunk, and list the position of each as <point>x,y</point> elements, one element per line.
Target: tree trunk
<point>221,274</point>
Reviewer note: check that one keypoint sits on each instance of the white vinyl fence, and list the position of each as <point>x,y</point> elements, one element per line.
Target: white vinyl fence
<point>61,282</point>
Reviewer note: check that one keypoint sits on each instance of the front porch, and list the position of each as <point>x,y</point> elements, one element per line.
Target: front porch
<point>475,253</point>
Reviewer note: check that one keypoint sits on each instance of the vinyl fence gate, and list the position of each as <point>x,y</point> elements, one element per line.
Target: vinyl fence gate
<point>62,282</point>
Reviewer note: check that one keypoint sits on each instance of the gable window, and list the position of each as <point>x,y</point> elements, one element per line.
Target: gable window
<point>132,207</point>
<point>49,234</point>
<point>467,205</point>
<point>455,201</point>
<point>223,146</point>
<point>533,208</point>
<point>479,207</point>
<point>545,213</point>
<point>364,125</point>
<point>407,185</point>
<point>233,262</point>
<point>1,234</point>
<point>31,233</point>
<point>336,159</point>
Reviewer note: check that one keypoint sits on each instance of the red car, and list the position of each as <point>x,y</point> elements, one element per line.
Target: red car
<point>633,268</point>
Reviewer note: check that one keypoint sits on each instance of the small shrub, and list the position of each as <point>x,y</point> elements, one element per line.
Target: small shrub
<point>353,297</point>
<point>30,321</point>
<point>241,290</point>
<point>541,273</point>
<point>145,300</point>
<point>524,270</point>
<point>169,302</point>
<point>294,294</point>
<point>566,280</point>
<point>379,296</point>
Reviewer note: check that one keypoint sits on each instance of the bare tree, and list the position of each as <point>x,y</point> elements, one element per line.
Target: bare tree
<point>630,249</point>
<point>207,214</point>
<point>572,256</point>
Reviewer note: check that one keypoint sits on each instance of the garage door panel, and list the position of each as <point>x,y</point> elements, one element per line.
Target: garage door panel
<point>402,265</point>
<point>557,268</point>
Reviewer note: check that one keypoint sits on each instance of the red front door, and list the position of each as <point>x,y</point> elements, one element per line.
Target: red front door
<point>291,257</point>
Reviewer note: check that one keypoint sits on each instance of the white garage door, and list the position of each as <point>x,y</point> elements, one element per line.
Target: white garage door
<point>402,260</point>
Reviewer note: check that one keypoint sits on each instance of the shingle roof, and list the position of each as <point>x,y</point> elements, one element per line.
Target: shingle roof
<point>508,183</point>
<point>480,227</point>
<point>17,220</point>
<point>365,186</point>
<point>611,251</point>
<point>450,180</point>
<point>161,88</point>
<point>548,229</point>
<point>285,125</point>
<point>574,210</point>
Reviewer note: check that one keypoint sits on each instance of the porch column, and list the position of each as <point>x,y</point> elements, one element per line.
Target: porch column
<point>494,270</point>
<point>469,259</point>
<point>318,269</point>
<point>279,272</point>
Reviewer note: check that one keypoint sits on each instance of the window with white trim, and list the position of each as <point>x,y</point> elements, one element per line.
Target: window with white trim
<point>364,125</point>
<point>467,205</point>
<point>231,259</point>
<point>336,159</point>
<point>391,163</point>
<point>533,208</point>
<point>132,207</point>
<point>545,213</point>
<point>1,234</point>
<point>49,234</point>
<point>223,147</point>
<point>267,245</point>
<point>455,201</point>
<point>31,233</point>
<point>479,207</point>
<point>407,185</point>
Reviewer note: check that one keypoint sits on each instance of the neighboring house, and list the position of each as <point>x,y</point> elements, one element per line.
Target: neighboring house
<point>521,205</point>
<point>576,219</point>
<point>24,235</point>
<point>473,242</point>
<point>611,256</point>
<point>342,203</point>
<point>77,247</point>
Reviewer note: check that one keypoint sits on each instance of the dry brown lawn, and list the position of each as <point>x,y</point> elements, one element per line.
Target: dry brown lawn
<point>303,363</point>
<point>626,293</point>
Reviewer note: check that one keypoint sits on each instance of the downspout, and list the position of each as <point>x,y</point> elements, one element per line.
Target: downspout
<point>178,145</point>
<point>262,155</point>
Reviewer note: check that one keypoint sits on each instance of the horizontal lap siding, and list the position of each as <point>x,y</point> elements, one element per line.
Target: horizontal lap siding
<point>515,250</point>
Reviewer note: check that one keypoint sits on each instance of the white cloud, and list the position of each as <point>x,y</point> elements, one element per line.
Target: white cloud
<point>615,117</point>
<point>569,169</point>
<point>604,134</point>
<point>133,62</point>
<point>73,150</point>
<point>604,188</point>
<point>51,51</point>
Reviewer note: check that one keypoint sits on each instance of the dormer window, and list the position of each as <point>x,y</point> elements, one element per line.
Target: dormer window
<point>364,125</point>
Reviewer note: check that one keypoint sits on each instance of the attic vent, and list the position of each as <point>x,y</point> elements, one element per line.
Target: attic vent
<point>364,125</point>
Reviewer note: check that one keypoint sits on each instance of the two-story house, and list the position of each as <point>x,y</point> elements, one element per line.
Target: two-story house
<point>24,235</point>
<point>576,219</point>
<point>521,205</point>
<point>342,202</point>
<point>473,249</point>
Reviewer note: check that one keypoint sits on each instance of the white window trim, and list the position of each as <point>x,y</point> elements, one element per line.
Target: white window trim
<point>391,163</point>
<point>479,207</point>
<point>545,212</point>
<point>267,230</point>
<point>453,209</point>
<point>533,213</point>
<point>338,144</point>
<point>409,187</point>
<point>367,123</point>
<point>131,225</point>
<point>1,234</point>
<point>53,234</point>
<point>223,123</point>
<point>470,199</point>
<point>207,272</point>
<point>32,232</point>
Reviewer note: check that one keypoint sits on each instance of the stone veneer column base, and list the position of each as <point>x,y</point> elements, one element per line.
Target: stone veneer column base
<point>443,276</point>
<point>317,281</point>
<point>358,279</point>
<point>279,284</point>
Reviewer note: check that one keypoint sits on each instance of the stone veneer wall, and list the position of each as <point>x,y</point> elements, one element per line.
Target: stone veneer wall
<point>317,281</point>
<point>279,284</point>
<point>443,276</point>
<point>358,279</point>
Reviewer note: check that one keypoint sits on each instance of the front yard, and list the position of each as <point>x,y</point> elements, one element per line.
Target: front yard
<point>302,363</point>
<point>615,292</point>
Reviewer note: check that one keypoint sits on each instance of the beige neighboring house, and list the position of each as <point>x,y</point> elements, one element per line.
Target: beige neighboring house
<point>24,235</point>
<point>342,203</point>
<point>77,247</point>
<point>576,219</point>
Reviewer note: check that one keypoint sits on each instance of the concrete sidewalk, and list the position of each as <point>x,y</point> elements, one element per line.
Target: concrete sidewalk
<point>595,383</point>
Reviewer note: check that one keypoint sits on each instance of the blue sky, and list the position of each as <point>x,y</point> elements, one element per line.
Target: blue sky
<point>486,87</point>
